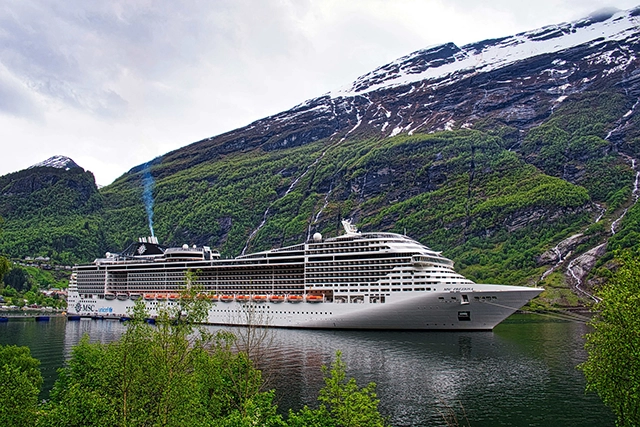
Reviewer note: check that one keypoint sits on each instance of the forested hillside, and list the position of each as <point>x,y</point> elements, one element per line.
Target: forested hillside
<point>52,212</point>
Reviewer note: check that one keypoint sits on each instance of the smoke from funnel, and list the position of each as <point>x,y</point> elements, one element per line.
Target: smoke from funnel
<point>147,194</point>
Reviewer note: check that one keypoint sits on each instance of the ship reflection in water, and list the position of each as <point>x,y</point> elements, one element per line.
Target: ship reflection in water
<point>520,374</point>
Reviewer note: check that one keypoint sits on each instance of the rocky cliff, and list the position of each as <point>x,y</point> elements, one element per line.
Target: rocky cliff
<point>52,209</point>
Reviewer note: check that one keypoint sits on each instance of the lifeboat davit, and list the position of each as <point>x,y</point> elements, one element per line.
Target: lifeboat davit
<point>295,298</point>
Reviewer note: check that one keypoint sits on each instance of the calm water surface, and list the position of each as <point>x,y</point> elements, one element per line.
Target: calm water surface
<point>521,374</point>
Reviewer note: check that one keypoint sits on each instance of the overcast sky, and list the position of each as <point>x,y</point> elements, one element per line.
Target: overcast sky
<point>115,83</point>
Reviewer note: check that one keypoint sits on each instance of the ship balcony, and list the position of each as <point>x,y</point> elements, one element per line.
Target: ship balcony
<point>420,261</point>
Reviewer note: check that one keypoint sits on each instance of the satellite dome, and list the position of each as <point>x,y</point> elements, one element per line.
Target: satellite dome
<point>317,237</point>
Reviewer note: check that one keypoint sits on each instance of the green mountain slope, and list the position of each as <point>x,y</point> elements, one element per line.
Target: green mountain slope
<point>496,199</point>
<point>51,212</point>
<point>463,192</point>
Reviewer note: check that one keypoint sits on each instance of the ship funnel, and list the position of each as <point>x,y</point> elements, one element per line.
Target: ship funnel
<point>150,239</point>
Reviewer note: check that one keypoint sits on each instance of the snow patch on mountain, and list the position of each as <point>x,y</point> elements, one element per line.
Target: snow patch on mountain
<point>448,63</point>
<point>58,162</point>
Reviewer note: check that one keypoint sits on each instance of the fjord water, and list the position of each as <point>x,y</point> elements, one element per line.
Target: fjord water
<point>520,374</point>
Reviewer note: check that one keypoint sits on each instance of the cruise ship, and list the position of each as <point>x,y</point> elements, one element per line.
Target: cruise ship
<point>374,280</point>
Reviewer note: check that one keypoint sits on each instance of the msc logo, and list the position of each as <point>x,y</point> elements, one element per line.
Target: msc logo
<point>84,307</point>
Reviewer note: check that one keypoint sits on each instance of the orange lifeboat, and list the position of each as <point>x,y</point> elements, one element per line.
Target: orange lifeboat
<point>259,298</point>
<point>174,297</point>
<point>295,298</point>
<point>226,298</point>
<point>315,298</point>
<point>243,297</point>
<point>212,297</point>
<point>149,297</point>
<point>276,298</point>
<point>161,297</point>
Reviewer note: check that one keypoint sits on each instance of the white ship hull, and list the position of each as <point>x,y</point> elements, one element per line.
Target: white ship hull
<point>487,306</point>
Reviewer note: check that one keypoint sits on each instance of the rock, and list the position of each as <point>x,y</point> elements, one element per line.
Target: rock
<point>561,250</point>
<point>580,266</point>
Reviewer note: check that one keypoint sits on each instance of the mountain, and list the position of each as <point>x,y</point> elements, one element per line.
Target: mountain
<point>52,208</point>
<point>515,156</point>
<point>517,81</point>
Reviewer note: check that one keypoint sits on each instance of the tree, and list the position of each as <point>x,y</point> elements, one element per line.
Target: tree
<point>177,373</point>
<point>349,404</point>
<point>173,373</point>
<point>18,279</point>
<point>311,418</point>
<point>342,402</point>
<point>612,368</point>
<point>21,381</point>
<point>5,266</point>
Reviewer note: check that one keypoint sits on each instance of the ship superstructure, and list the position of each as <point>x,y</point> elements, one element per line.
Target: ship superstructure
<point>355,281</point>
